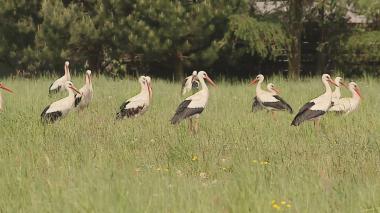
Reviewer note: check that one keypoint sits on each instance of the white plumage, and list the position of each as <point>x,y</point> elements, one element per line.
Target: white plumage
<point>83,99</point>
<point>316,108</point>
<point>190,83</point>
<point>62,107</point>
<point>347,105</point>
<point>336,94</point>
<point>59,84</point>
<point>138,104</point>
<point>2,86</point>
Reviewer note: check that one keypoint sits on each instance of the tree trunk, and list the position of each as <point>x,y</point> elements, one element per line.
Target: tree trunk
<point>322,55</point>
<point>179,73</point>
<point>295,32</point>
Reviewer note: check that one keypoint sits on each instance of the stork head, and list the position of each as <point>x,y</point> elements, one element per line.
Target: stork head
<point>88,76</point>
<point>339,81</point>
<point>203,75</point>
<point>70,86</point>
<point>2,86</point>
<point>259,78</point>
<point>273,89</point>
<point>194,73</point>
<point>354,88</point>
<point>327,78</point>
<point>67,63</point>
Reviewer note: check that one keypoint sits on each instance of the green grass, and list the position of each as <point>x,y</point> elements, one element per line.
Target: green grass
<point>90,163</point>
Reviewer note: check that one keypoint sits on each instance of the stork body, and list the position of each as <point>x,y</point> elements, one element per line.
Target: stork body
<point>138,104</point>
<point>194,105</point>
<point>83,99</point>
<point>268,100</point>
<point>347,105</point>
<point>190,83</point>
<point>2,86</point>
<point>316,108</point>
<point>336,94</point>
<point>59,84</point>
<point>256,105</point>
<point>60,108</point>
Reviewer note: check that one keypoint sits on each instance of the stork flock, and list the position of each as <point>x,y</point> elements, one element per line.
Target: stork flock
<point>192,106</point>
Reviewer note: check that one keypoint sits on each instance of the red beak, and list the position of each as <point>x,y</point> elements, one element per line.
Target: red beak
<point>276,90</point>
<point>254,82</point>
<point>357,90</point>
<point>210,81</point>
<point>332,82</point>
<point>75,89</point>
<point>5,88</point>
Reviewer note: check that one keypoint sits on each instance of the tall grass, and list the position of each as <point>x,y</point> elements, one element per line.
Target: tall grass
<point>239,161</point>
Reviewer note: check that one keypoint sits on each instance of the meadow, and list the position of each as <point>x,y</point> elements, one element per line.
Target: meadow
<point>238,162</point>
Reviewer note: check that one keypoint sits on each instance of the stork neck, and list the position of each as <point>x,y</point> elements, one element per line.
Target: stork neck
<point>258,87</point>
<point>70,91</point>
<point>337,91</point>
<point>67,73</point>
<point>203,84</point>
<point>327,87</point>
<point>88,80</point>
<point>144,89</point>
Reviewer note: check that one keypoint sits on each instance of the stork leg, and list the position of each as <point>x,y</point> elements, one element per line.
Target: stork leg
<point>196,125</point>
<point>191,124</point>
<point>317,124</point>
<point>274,115</point>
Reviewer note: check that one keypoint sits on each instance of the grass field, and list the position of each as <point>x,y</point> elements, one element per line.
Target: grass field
<point>239,161</point>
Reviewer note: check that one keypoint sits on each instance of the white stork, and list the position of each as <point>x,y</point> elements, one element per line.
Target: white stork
<point>316,108</point>
<point>60,108</point>
<point>190,83</point>
<point>347,105</point>
<point>336,94</point>
<point>194,105</point>
<point>256,106</point>
<point>59,84</point>
<point>2,86</point>
<point>138,104</point>
<point>271,102</point>
<point>83,99</point>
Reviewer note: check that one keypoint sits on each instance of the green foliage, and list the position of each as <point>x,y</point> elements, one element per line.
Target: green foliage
<point>248,35</point>
<point>18,25</point>
<point>362,48</point>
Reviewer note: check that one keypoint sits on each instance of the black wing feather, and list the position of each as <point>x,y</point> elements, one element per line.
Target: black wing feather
<point>284,104</point>
<point>54,91</point>
<point>128,112</point>
<point>256,105</point>
<point>306,114</point>
<point>50,117</point>
<point>184,112</point>
<point>78,98</point>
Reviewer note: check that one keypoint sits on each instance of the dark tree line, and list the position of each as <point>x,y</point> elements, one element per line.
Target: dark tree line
<point>171,37</point>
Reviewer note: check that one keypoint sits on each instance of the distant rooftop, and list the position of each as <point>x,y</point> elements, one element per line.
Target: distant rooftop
<point>272,6</point>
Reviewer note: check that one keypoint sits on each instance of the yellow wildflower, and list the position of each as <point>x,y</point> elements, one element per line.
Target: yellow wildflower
<point>273,201</point>
<point>275,206</point>
<point>254,161</point>
<point>288,205</point>
<point>194,158</point>
<point>283,202</point>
